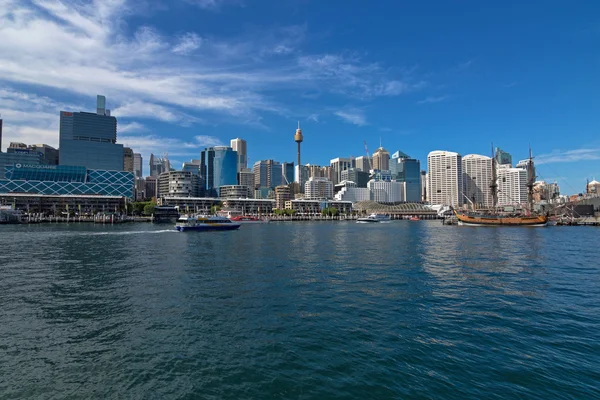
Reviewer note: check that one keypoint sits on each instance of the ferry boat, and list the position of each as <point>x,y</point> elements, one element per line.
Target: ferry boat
<point>373,218</point>
<point>204,223</point>
<point>246,219</point>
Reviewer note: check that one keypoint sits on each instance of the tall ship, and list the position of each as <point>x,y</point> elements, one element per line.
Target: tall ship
<point>495,218</point>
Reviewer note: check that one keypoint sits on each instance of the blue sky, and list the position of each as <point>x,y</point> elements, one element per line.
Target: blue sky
<point>419,76</point>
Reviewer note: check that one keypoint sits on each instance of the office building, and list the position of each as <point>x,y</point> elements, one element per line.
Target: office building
<point>318,188</point>
<point>287,169</point>
<point>234,192</point>
<point>512,186</point>
<point>267,174</point>
<point>283,194</point>
<point>445,178</point>
<point>246,178</point>
<point>1,123</point>
<point>240,146</point>
<point>381,159</point>
<point>477,178</point>
<point>18,156</point>
<point>151,187</point>
<point>158,165</point>
<point>90,139</point>
<point>545,192</point>
<point>409,171</point>
<point>128,160</point>
<point>338,165</point>
<point>218,167</point>
<point>502,157</point>
<point>360,178</point>
<point>363,163</point>
<point>66,180</point>
<point>192,166</point>
<point>423,186</point>
<point>387,191</point>
<point>138,165</point>
<point>351,192</point>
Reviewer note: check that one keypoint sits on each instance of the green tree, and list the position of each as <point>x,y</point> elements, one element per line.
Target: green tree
<point>215,209</point>
<point>149,209</point>
<point>330,211</point>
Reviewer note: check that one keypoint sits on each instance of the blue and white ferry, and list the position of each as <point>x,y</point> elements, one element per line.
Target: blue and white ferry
<point>205,223</point>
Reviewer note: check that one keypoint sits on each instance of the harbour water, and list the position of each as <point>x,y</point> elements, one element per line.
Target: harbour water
<point>411,310</point>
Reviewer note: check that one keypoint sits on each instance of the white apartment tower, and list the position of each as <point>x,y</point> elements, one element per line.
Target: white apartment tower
<point>512,186</point>
<point>477,177</point>
<point>338,165</point>
<point>239,145</point>
<point>318,188</point>
<point>445,178</point>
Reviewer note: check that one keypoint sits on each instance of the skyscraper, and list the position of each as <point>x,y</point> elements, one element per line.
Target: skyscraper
<point>338,165</point>
<point>502,157</point>
<point>240,146</point>
<point>477,178</point>
<point>445,178</point>
<point>409,172</point>
<point>218,167</point>
<point>137,165</point>
<point>267,174</point>
<point>90,139</point>
<point>381,159</point>
<point>158,165</point>
<point>128,161</point>
<point>288,172</point>
<point>363,163</point>
<point>0,135</point>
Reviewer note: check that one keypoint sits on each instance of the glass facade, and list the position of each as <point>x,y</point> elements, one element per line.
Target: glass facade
<point>288,173</point>
<point>62,180</point>
<point>218,167</point>
<point>7,160</point>
<point>90,140</point>
<point>409,171</point>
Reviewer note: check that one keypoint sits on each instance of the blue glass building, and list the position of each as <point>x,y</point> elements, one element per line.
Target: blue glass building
<point>63,180</point>
<point>218,167</point>
<point>409,171</point>
<point>90,139</point>
<point>288,172</point>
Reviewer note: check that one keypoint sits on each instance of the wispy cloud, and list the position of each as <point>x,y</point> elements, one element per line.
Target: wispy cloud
<point>353,115</point>
<point>566,156</point>
<point>187,44</point>
<point>433,99</point>
<point>131,127</point>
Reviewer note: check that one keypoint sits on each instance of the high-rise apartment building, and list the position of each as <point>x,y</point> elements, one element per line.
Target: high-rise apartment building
<point>445,178</point>
<point>267,174</point>
<point>338,165</point>
<point>512,186</point>
<point>90,140</point>
<point>283,193</point>
<point>178,184</point>
<point>318,188</point>
<point>128,159</point>
<point>381,159</point>
<point>138,165</point>
<point>218,167</point>
<point>240,146</point>
<point>477,178</point>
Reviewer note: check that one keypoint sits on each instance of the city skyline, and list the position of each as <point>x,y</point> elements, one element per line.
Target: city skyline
<point>384,78</point>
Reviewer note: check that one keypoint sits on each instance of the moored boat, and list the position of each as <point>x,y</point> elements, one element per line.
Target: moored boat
<point>414,218</point>
<point>373,218</point>
<point>204,223</point>
<point>474,219</point>
<point>247,219</point>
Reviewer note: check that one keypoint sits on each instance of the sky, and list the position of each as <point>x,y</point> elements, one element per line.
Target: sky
<point>181,75</point>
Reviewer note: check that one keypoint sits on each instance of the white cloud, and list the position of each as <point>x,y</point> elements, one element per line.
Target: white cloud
<point>187,44</point>
<point>353,116</point>
<point>565,156</point>
<point>131,127</point>
<point>431,100</point>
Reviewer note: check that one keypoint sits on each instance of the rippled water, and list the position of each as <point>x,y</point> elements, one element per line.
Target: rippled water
<point>300,310</point>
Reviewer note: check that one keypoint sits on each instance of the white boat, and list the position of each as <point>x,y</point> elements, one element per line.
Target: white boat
<point>374,218</point>
<point>204,223</point>
<point>243,219</point>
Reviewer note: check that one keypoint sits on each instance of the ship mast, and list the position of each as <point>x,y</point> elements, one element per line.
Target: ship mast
<point>530,181</point>
<point>494,182</point>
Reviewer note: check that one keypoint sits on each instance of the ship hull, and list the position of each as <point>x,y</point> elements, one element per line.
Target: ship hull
<point>207,227</point>
<point>467,220</point>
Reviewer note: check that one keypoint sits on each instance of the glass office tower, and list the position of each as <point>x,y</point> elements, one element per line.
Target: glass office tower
<point>218,167</point>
